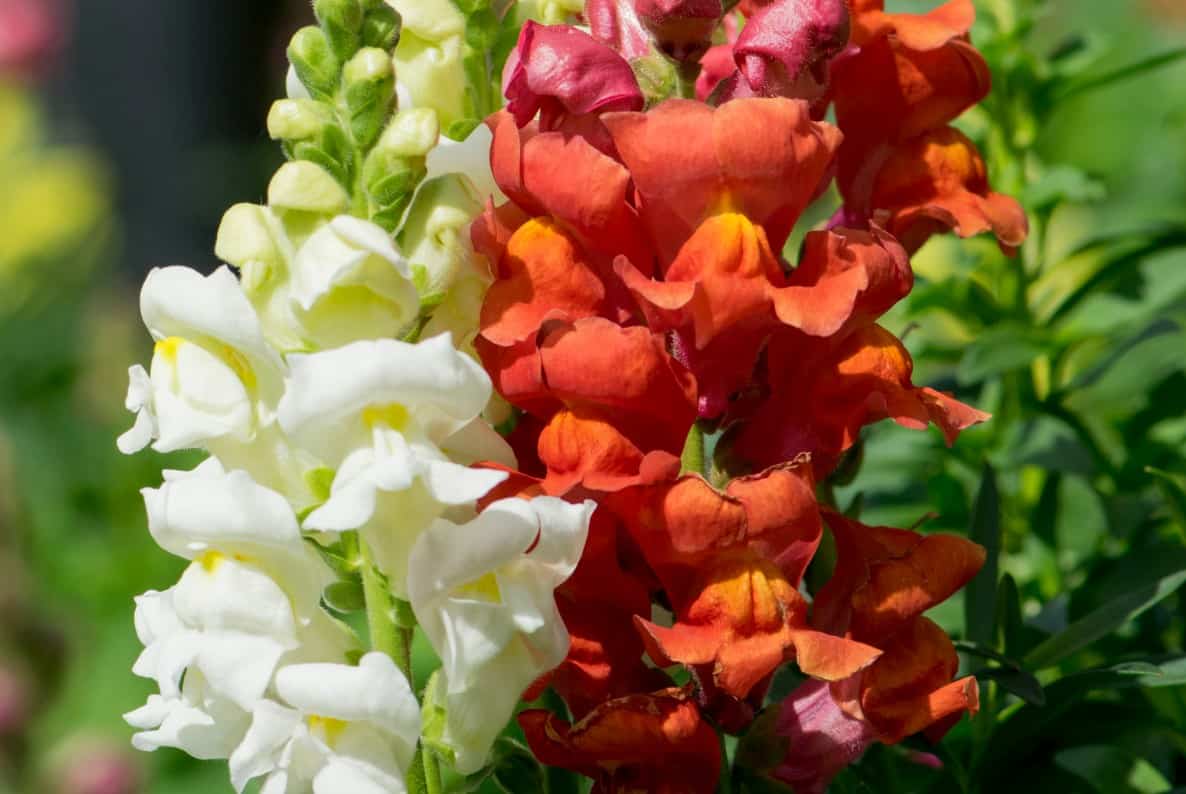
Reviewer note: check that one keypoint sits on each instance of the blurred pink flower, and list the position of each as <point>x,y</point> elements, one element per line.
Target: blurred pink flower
<point>31,34</point>
<point>97,766</point>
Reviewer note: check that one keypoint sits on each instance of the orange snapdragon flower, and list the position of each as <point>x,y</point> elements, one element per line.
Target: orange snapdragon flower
<point>730,563</point>
<point>904,79</point>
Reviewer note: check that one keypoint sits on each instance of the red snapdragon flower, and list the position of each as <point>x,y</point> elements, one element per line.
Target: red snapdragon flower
<point>654,743</point>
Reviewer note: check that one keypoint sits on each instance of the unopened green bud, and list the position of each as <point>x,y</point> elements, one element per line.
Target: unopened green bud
<point>369,80</point>
<point>244,237</point>
<point>342,22</point>
<point>307,187</point>
<point>413,132</point>
<point>314,61</point>
<point>297,119</point>
<point>390,182</point>
<point>381,27</point>
<point>390,179</point>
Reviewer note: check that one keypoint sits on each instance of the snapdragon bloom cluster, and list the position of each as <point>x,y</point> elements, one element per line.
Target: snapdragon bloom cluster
<point>329,384</point>
<point>600,272</point>
<point>643,309</point>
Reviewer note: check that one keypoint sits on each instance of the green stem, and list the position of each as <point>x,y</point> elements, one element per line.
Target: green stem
<point>388,637</point>
<point>432,772</point>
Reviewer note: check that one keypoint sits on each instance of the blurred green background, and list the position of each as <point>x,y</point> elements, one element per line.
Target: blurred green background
<point>136,123</point>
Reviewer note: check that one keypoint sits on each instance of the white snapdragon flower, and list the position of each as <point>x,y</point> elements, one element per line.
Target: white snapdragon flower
<point>393,419</point>
<point>195,720</point>
<point>483,593</point>
<point>212,513</point>
<point>212,374</point>
<point>319,278</point>
<point>333,729</point>
<point>249,599</point>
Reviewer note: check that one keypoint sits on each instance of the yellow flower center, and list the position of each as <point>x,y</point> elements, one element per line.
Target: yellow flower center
<point>167,348</point>
<point>327,729</point>
<point>392,415</point>
<point>484,588</point>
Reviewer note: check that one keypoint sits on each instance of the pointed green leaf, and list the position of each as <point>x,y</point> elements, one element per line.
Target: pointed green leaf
<point>1101,622</point>
<point>985,529</point>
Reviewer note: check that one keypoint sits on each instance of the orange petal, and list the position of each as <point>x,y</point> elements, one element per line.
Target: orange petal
<point>886,578</point>
<point>938,181</point>
<point>655,743</point>
<point>764,158</point>
<point>542,275</point>
<point>829,657</point>
<point>845,278</point>
<point>916,31</point>
<point>910,688</point>
<point>887,92</point>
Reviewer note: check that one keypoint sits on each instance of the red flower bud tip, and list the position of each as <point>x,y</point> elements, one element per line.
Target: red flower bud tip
<point>31,31</point>
<point>821,738</point>
<point>557,70</point>
<point>785,47</point>
<point>682,28</point>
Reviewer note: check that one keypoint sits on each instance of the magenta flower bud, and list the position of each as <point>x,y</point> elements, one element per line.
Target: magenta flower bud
<point>821,738</point>
<point>785,47</point>
<point>557,70</point>
<point>682,28</point>
<point>31,33</point>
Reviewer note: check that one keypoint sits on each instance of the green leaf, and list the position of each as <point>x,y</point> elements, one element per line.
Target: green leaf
<point>1010,675</point>
<point>1101,622</point>
<point>1096,82</point>
<point>1000,349</point>
<point>1016,681</point>
<point>1095,263</point>
<point>981,596</point>
<point>1010,624</point>
<point>1111,770</point>
<point>1173,491</point>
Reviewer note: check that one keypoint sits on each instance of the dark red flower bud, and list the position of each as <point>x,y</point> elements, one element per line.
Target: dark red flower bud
<point>785,47</point>
<point>557,70</point>
<point>682,28</point>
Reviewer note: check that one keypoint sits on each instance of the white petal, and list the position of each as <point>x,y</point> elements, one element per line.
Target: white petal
<point>227,512</point>
<point>272,727</point>
<point>470,158</point>
<point>139,402</point>
<point>449,555</point>
<point>178,301</point>
<point>441,388</point>
<point>479,442</point>
<point>375,691</point>
<point>342,776</point>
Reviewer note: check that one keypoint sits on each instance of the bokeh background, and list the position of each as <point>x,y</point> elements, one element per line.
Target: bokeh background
<point>128,126</point>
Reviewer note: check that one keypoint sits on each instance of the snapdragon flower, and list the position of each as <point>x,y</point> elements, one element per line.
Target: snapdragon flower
<point>482,592</point>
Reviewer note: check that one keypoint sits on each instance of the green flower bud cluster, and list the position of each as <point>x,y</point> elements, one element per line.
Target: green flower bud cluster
<point>348,124</point>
